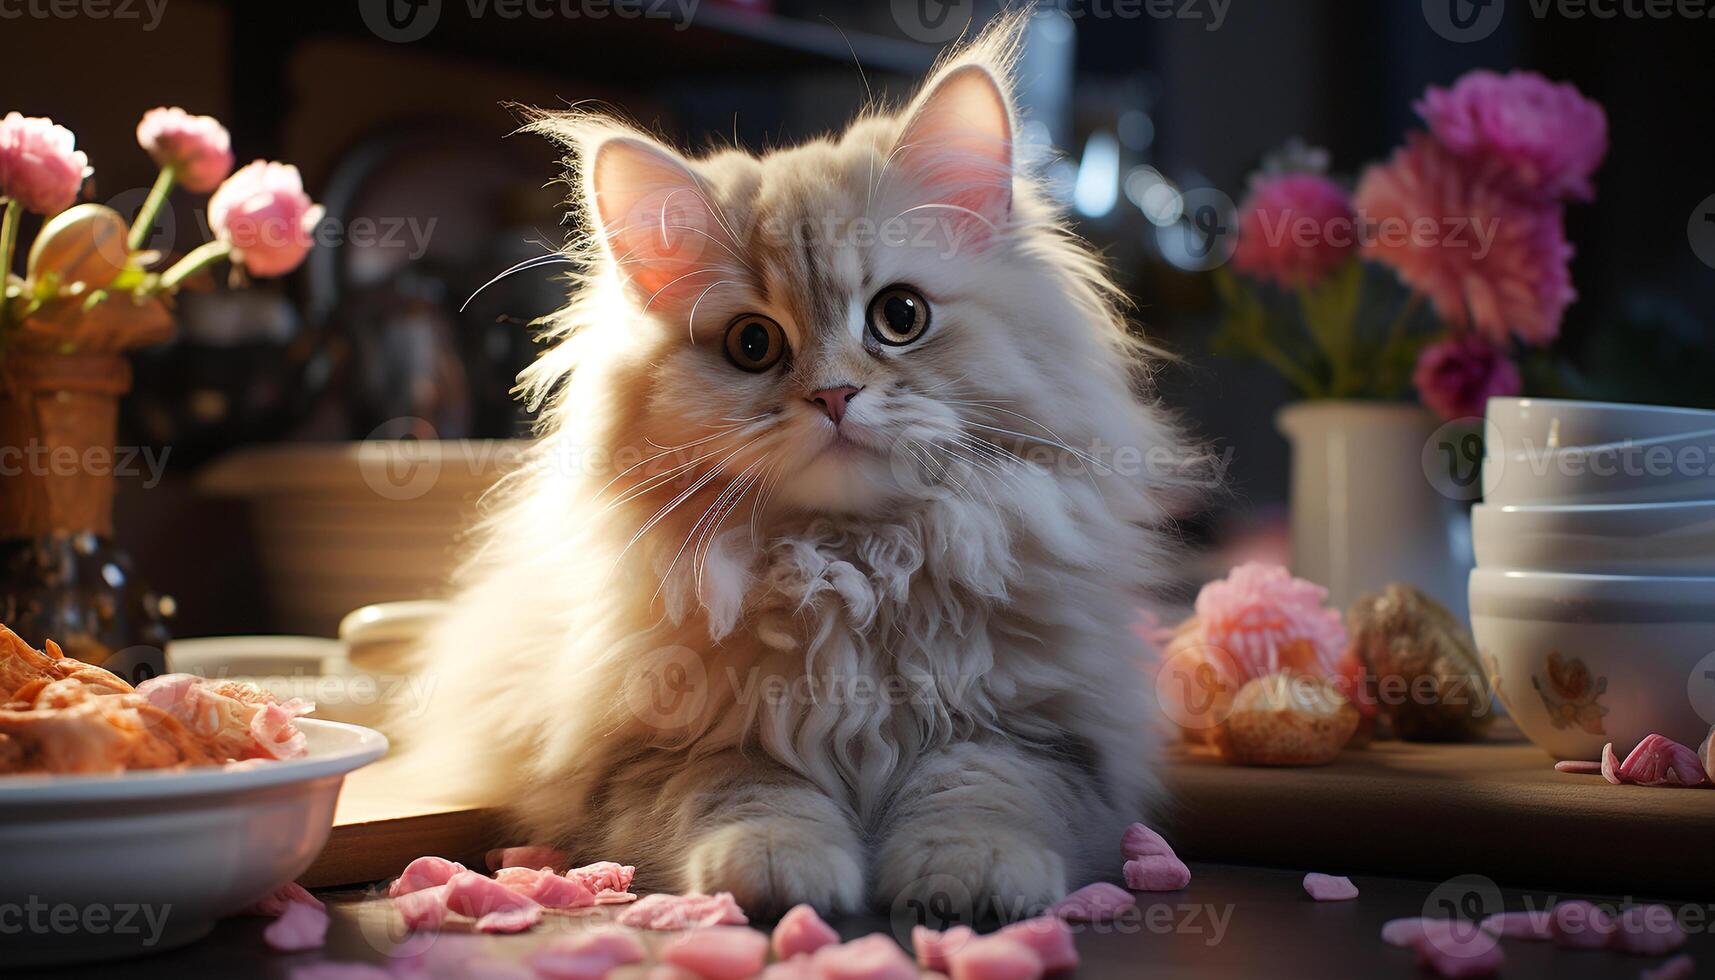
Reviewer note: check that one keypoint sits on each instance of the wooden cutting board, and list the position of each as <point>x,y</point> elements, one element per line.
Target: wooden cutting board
<point>384,819</point>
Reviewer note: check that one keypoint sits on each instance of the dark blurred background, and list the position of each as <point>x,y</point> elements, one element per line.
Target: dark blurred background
<point>396,112</point>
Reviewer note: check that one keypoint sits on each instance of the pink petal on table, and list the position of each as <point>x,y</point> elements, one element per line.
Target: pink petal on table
<point>475,894</point>
<point>529,856</point>
<point>719,952</point>
<point>1534,924</point>
<point>933,947</point>
<point>874,957</point>
<point>1706,755</point>
<point>545,888</point>
<point>275,902</point>
<point>1578,767</point>
<point>1329,888</point>
<point>1660,761</point>
<point>1156,873</point>
<point>801,930</point>
<point>604,876</point>
<point>1099,902</point>
<point>1681,967</point>
<point>1610,764</point>
<point>1648,930</point>
<point>995,958</point>
<point>610,897</point>
<point>1049,938</point>
<point>1403,932</point>
<point>425,872</point>
<point>425,908</point>
<point>299,927</point>
<point>667,971</point>
<point>328,970</point>
<point>510,920</point>
<point>588,954</point>
<point>1451,947</point>
<point>1139,841</point>
<point>663,911</point>
<point>796,968</point>
<point>1580,925</point>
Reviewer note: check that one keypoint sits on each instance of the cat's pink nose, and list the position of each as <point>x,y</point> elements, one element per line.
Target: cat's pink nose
<point>833,400</point>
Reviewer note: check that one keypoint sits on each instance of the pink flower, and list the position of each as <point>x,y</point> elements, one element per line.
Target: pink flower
<point>1294,229</point>
<point>1268,621</point>
<point>1547,137</point>
<point>196,148</point>
<point>264,214</point>
<point>1454,232</point>
<point>1457,377</point>
<point>40,167</point>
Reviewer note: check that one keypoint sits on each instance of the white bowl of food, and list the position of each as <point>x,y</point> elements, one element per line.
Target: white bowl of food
<point>1583,660</point>
<point>1663,469</point>
<point>1597,539</point>
<point>1535,424</point>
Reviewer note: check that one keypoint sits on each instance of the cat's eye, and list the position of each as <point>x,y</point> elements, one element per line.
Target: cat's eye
<point>754,343</point>
<point>898,315</point>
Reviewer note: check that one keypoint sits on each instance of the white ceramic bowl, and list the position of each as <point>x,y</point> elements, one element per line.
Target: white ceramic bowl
<point>108,866</point>
<point>1597,539</point>
<point>1534,424</point>
<point>1659,470</point>
<point>1581,660</point>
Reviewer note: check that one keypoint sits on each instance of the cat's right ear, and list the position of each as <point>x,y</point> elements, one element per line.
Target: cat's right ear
<point>656,219</point>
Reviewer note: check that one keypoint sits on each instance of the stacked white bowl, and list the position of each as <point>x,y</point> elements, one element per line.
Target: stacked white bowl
<point>1593,600</point>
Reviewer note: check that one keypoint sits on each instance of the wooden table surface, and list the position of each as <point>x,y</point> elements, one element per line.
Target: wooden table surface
<point>1231,922</point>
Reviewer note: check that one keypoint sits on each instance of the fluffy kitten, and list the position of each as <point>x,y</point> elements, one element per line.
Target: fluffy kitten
<point>820,584</point>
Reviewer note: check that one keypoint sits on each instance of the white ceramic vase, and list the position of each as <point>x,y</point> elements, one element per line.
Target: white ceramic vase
<point>1364,513</point>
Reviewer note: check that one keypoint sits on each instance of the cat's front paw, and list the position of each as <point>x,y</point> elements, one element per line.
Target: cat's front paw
<point>771,864</point>
<point>968,873</point>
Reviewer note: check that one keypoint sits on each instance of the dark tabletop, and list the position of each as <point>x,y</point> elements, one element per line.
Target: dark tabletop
<point>1231,922</point>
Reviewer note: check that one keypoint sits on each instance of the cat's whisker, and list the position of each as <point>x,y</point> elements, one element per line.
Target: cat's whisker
<point>553,258</point>
<point>1086,457</point>
<point>674,504</point>
<point>946,207</point>
<point>675,281</point>
<point>691,326</point>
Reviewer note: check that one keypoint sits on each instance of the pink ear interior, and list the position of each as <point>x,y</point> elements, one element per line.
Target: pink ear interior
<point>957,148</point>
<point>657,220</point>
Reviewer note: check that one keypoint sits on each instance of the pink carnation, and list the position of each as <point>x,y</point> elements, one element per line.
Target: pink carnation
<point>1546,138</point>
<point>1453,232</point>
<point>264,214</point>
<point>1268,621</point>
<point>1457,377</point>
<point>40,166</point>
<point>196,148</point>
<point>1294,229</point>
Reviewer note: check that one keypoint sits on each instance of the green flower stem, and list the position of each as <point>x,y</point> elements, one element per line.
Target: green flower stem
<point>8,247</point>
<point>1301,378</point>
<point>145,220</point>
<point>201,257</point>
<point>1396,332</point>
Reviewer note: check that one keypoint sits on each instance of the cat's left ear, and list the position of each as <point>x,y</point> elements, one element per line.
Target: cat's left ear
<point>956,147</point>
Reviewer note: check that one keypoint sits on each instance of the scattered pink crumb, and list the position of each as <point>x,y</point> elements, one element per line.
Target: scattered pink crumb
<point>1610,764</point>
<point>1534,924</point>
<point>425,872</point>
<point>530,856</point>
<point>995,958</point>
<point>1578,767</point>
<point>1580,925</point>
<point>611,897</point>
<point>718,952</point>
<point>1139,841</point>
<point>604,876</point>
<point>275,902</point>
<point>1451,947</point>
<point>1098,902</point>
<point>667,912</point>
<point>588,954</point>
<point>1329,888</point>
<point>1050,938</point>
<point>1660,761</point>
<point>424,909</point>
<point>874,957</point>
<point>1681,967</point>
<point>545,888</point>
<point>1648,930</point>
<point>299,927</point>
<point>1156,873</point>
<point>801,930</point>
<point>933,947</point>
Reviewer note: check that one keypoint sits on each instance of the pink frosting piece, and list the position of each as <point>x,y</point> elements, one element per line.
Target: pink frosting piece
<point>1648,930</point>
<point>663,911</point>
<point>1156,873</point>
<point>588,954</point>
<point>995,958</point>
<point>300,926</point>
<point>274,903</point>
<point>528,856</point>
<point>1660,761</point>
<point>611,897</point>
<point>425,908</point>
<point>1535,924</point>
<point>425,872</point>
<point>874,957</point>
<point>475,894</point>
<point>1452,948</point>
<point>1329,888</point>
<point>1580,925</point>
<point>604,876</point>
<point>1578,767</point>
<point>1681,967</point>
<point>801,930</point>
<point>1139,841</point>
<point>719,952</point>
<point>1610,764</point>
<point>1049,937</point>
<point>510,920</point>
<point>1098,902</point>
<point>545,888</point>
<point>933,947</point>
